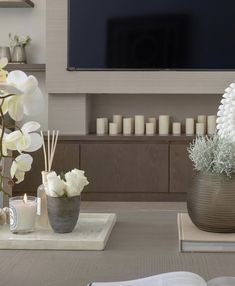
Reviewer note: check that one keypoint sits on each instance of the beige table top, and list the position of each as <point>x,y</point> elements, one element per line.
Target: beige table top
<point>144,242</point>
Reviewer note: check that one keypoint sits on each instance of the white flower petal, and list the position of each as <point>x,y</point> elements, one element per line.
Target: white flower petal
<point>30,127</point>
<point>15,108</point>
<point>3,62</point>
<point>19,176</point>
<point>13,169</point>
<point>10,89</point>
<point>35,144</point>
<point>33,103</point>
<point>17,78</point>
<point>30,85</point>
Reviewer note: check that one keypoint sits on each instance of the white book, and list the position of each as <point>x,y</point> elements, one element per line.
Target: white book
<point>172,279</point>
<point>192,239</point>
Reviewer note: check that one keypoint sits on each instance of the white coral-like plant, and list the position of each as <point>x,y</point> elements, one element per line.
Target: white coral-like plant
<point>226,114</point>
<point>213,154</point>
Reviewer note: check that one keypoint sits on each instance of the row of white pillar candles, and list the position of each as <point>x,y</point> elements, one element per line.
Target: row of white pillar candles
<point>138,126</point>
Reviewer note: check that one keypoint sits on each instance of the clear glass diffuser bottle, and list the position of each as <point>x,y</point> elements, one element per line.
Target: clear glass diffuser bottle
<point>42,219</point>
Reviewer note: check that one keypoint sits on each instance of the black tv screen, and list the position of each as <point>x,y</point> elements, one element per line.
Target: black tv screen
<point>151,35</point>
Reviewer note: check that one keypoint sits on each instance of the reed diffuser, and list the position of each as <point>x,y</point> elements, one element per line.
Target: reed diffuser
<point>48,153</point>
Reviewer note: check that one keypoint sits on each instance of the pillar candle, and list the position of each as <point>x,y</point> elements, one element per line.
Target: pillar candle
<point>154,121</point>
<point>189,129</point>
<point>101,126</point>
<point>211,124</point>
<point>139,125</point>
<point>118,119</point>
<point>150,128</point>
<point>127,126</point>
<point>164,122</point>
<point>176,128</point>
<point>113,128</point>
<point>23,212</point>
<point>202,119</point>
<point>200,128</point>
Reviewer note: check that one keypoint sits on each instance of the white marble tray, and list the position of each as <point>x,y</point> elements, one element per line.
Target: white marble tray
<point>91,233</point>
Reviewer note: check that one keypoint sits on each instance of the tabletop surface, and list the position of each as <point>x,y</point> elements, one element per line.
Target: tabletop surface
<point>144,242</point>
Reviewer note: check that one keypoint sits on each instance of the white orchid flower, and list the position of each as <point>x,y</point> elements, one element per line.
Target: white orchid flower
<point>20,165</point>
<point>25,140</point>
<point>28,98</point>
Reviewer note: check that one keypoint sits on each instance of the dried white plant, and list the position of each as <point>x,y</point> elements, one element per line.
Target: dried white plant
<point>213,154</point>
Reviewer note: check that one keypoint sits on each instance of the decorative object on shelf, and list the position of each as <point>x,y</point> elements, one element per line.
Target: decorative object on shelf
<point>113,128</point>
<point>201,119</point>
<point>211,124</point>
<point>101,126</point>
<point>23,211</point>
<point>139,125</point>
<point>5,53</point>
<point>150,128</point>
<point>226,114</point>
<point>18,45</point>
<point>20,95</point>
<point>189,126</point>
<point>63,199</point>
<point>164,124</point>
<point>211,199</point>
<point>200,129</point>
<point>128,124</point>
<point>176,128</point>
<point>154,121</point>
<point>118,119</point>
<point>49,153</point>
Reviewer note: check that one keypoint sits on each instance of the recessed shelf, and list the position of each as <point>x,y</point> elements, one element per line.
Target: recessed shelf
<point>16,4</point>
<point>26,67</point>
<point>125,138</point>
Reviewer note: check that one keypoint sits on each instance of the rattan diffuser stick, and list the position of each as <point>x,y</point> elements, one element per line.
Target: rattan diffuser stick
<point>49,152</point>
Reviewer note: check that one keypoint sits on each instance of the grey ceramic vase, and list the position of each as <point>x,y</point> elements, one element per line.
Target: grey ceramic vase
<point>63,213</point>
<point>211,202</point>
<point>19,54</point>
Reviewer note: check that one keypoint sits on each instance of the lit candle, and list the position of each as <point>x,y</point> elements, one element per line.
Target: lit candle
<point>200,128</point>
<point>150,128</point>
<point>211,124</point>
<point>189,130</point>
<point>23,212</point>
<point>139,125</point>
<point>164,122</point>
<point>113,128</point>
<point>176,128</point>
<point>118,119</point>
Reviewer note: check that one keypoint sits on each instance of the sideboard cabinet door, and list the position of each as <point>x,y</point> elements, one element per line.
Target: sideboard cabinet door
<point>181,168</point>
<point>126,167</point>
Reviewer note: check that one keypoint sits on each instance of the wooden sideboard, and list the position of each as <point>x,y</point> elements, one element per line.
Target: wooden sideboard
<point>121,168</point>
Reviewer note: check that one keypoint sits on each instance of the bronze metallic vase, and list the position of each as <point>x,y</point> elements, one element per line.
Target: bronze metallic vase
<point>211,202</point>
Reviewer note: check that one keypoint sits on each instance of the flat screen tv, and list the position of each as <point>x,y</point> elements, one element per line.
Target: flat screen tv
<point>151,35</point>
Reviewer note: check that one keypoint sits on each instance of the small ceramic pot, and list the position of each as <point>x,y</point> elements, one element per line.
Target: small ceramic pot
<point>211,202</point>
<point>5,53</point>
<point>63,213</point>
<point>19,54</point>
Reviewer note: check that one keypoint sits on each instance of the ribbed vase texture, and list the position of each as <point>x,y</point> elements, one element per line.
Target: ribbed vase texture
<point>63,213</point>
<point>211,202</point>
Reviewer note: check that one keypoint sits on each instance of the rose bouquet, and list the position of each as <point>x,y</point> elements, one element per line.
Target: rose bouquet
<point>70,184</point>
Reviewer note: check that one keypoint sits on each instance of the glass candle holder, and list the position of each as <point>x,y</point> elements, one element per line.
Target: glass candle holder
<point>23,211</point>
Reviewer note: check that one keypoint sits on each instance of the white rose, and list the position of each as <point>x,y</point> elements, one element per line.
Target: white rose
<point>75,182</point>
<point>55,187</point>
